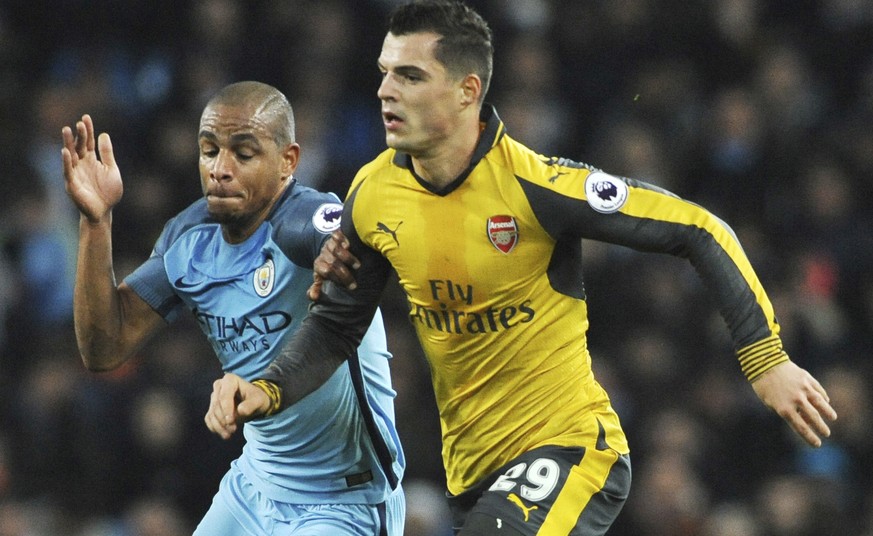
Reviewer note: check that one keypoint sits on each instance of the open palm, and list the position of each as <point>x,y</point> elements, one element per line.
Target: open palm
<point>93,182</point>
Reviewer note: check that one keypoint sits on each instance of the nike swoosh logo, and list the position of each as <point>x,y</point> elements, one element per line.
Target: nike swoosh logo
<point>183,285</point>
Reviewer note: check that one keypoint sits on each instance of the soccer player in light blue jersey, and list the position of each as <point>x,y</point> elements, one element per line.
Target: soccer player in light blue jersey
<point>240,260</point>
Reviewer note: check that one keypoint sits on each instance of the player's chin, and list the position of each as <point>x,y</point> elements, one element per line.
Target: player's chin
<point>221,212</point>
<point>391,139</point>
<point>398,143</point>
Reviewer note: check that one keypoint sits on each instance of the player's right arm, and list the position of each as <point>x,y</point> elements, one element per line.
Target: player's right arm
<point>335,263</point>
<point>111,320</point>
<point>327,337</point>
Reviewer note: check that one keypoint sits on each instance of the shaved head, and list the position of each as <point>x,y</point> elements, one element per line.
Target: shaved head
<point>267,104</point>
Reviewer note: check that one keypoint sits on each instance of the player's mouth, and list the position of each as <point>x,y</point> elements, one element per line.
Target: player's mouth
<point>220,195</point>
<point>391,120</point>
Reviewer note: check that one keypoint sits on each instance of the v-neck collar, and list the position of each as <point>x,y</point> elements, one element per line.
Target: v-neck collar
<point>491,135</point>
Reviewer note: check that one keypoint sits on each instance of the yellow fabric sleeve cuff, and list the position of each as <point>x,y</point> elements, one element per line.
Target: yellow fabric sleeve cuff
<point>273,392</point>
<point>758,358</point>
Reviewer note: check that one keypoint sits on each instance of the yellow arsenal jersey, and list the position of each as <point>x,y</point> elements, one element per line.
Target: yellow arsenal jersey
<point>491,266</point>
<point>507,349</point>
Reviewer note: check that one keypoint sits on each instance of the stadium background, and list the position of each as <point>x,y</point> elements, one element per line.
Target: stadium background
<point>760,110</point>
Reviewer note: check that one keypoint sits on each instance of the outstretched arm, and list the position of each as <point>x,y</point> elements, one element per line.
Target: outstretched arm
<point>653,219</point>
<point>110,321</point>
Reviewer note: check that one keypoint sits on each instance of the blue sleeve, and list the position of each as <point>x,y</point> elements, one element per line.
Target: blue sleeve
<point>301,227</point>
<point>150,280</point>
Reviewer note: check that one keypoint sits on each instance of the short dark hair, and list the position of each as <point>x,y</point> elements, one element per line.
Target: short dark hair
<point>465,46</point>
<point>267,100</point>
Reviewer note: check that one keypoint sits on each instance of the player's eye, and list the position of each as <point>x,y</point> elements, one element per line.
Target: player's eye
<point>245,155</point>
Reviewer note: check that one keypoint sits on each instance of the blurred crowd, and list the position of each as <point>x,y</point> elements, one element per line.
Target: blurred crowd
<point>760,110</point>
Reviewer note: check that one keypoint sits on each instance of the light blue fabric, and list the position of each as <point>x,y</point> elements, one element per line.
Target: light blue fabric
<point>249,299</point>
<point>240,509</point>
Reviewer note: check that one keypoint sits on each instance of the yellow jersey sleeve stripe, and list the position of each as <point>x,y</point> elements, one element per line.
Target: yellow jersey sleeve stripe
<point>758,358</point>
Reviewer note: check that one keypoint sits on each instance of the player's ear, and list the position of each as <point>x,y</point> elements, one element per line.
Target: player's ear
<point>471,89</point>
<point>290,158</point>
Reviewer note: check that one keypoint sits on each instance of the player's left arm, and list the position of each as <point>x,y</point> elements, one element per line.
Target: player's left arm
<point>647,218</point>
<point>687,230</point>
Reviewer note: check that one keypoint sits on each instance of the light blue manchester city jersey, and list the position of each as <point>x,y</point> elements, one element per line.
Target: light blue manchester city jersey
<point>339,444</point>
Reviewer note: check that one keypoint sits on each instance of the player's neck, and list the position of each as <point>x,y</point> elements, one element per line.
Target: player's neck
<point>441,167</point>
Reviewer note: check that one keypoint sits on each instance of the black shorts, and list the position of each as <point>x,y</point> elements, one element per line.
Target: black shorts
<point>547,491</point>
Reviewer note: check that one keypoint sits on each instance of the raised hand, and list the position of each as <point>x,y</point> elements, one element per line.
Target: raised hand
<point>93,182</point>
<point>799,399</point>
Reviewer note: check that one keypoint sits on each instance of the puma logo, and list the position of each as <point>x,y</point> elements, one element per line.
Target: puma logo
<point>513,498</point>
<point>387,230</point>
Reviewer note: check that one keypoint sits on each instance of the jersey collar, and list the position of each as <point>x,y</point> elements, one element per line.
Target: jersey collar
<point>492,132</point>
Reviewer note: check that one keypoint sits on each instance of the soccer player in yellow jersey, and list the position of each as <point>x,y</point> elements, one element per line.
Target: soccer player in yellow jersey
<point>485,236</point>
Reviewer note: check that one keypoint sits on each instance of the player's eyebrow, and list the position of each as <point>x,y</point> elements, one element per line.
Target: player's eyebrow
<point>207,135</point>
<point>405,70</point>
<point>235,139</point>
<point>411,69</point>
<point>244,137</point>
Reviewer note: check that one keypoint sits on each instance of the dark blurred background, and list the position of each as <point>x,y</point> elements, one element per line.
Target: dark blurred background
<point>761,110</point>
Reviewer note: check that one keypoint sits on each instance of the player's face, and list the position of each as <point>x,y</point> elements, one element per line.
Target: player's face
<point>420,101</point>
<point>242,169</point>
